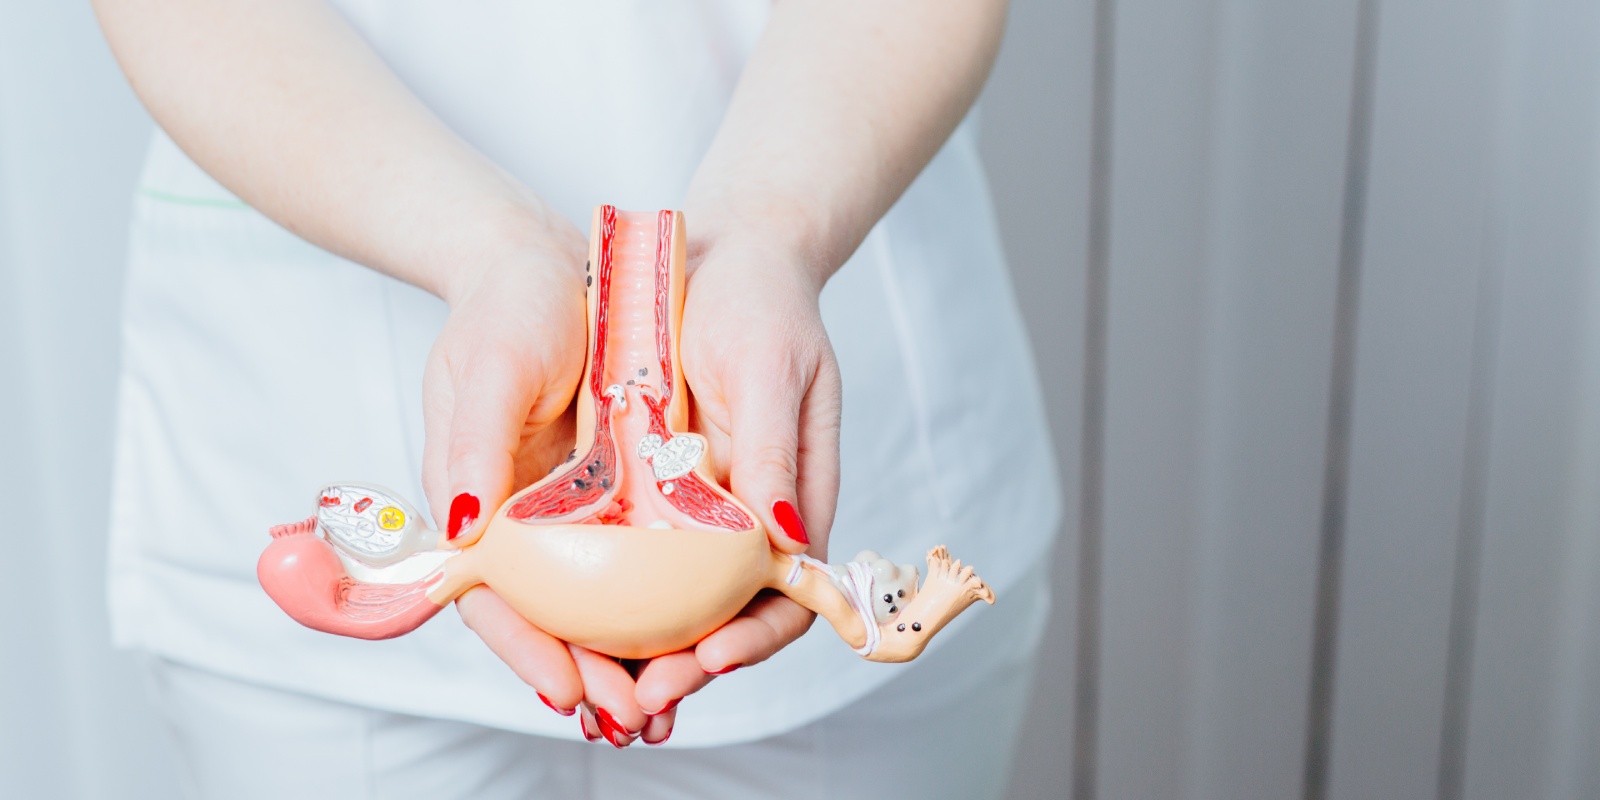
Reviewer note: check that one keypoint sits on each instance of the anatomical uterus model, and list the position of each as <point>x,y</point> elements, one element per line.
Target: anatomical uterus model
<point>634,509</point>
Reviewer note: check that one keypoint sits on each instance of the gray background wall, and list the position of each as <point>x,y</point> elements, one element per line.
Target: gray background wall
<point>1313,293</point>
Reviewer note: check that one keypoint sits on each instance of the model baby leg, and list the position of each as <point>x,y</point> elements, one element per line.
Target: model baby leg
<point>876,605</point>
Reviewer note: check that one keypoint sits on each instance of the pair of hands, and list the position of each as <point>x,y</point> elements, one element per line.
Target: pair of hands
<point>496,396</point>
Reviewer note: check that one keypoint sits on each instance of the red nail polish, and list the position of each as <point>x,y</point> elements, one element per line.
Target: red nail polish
<point>606,719</point>
<point>463,512</point>
<point>789,520</point>
<point>724,670</point>
<point>614,733</point>
<point>565,712</point>
<point>664,709</point>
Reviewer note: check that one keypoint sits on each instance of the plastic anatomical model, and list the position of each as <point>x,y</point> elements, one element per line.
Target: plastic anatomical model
<point>634,509</point>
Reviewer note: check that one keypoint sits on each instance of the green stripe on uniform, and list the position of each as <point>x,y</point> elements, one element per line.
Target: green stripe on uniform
<point>185,200</point>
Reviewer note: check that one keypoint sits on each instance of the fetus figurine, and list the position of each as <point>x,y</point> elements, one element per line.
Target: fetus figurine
<point>634,508</point>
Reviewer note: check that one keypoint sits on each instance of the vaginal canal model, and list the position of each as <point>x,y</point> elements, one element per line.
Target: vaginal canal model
<point>634,509</point>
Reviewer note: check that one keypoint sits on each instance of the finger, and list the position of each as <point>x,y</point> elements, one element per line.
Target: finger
<point>591,727</point>
<point>765,444</point>
<point>659,728</point>
<point>718,445</point>
<point>438,405</point>
<point>766,626</point>
<point>493,397</point>
<point>667,679</point>
<point>818,457</point>
<point>609,688</point>
<point>539,659</point>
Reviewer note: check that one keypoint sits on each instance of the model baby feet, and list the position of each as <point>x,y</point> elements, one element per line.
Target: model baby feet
<point>949,590</point>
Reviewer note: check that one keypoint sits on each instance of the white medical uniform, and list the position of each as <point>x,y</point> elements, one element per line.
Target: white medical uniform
<point>257,367</point>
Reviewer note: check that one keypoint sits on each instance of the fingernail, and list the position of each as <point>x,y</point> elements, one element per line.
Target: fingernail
<point>587,736</point>
<point>665,708</point>
<point>789,520</point>
<point>565,712</point>
<point>463,512</point>
<point>614,733</point>
<point>606,719</point>
<point>661,742</point>
<point>724,670</point>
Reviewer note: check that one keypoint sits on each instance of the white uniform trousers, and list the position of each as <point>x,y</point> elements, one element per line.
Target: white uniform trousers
<point>945,730</point>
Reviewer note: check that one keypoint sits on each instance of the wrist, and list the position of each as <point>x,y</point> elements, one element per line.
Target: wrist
<point>775,241</point>
<point>507,236</point>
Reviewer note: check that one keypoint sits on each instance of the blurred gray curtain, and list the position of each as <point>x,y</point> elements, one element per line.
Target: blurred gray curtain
<point>1341,475</point>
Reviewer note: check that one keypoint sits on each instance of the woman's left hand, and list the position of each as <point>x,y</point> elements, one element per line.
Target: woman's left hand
<point>767,399</point>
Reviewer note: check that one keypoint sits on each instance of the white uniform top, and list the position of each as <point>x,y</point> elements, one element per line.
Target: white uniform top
<point>257,367</point>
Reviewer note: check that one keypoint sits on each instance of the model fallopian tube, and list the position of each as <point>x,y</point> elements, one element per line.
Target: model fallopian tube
<point>634,509</point>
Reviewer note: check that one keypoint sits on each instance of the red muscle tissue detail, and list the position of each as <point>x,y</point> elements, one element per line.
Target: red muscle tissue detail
<point>691,496</point>
<point>630,399</point>
<point>582,485</point>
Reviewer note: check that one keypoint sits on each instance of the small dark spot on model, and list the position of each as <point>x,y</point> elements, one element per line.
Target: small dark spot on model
<point>579,483</point>
<point>901,627</point>
<point>643,371</point>
<point>589,468</point>
<point>572,455</point>
<point>900,593</point>
<point>888,598</point>
<point>916,626</point>
<point>630,381</point>
<point>586,264</point>
<point>605,483</point>
<point>588,280</point>
<point>894,609</point>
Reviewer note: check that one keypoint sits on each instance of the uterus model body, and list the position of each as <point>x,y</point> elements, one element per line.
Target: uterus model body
<point>633,509</point>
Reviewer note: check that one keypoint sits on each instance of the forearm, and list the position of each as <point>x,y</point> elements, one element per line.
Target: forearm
<point>285,105</point>
<point>841,106</point>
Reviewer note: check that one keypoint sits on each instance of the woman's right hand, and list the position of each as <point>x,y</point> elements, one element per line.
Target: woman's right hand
<point>499,381</point>
<point>496,395</point>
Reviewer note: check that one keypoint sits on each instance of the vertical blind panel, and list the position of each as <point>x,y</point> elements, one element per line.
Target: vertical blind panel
<point>1429,175</point>
<point>1274,205</point>
<point>1035,144</point>
<point>1532,713</point>
<point>1162,73</point>
<point>1229,144</point>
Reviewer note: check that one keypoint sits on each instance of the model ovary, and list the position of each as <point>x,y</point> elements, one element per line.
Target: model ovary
<point>634,509</point>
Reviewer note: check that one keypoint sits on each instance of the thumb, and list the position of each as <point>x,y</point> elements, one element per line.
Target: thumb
<point>764,448</point>
<point>493,399</point>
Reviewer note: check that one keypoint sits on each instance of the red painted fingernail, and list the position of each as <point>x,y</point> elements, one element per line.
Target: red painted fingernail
<point>463,512</point>
<point>565,712</point>
<point>606,719</point>
<point>614,733</point>
<point>789,520</point>
<point>724,670</point>
<point>661,742</point>
<point>664,709</point>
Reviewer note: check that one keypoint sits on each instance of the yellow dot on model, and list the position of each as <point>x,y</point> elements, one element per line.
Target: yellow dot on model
<point>391,518</point>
